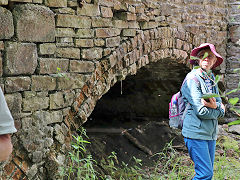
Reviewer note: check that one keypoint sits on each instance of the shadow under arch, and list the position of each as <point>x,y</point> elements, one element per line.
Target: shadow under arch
<point>144,96</point>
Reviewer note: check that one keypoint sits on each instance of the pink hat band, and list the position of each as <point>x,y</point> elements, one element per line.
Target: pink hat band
<point>212,48</point>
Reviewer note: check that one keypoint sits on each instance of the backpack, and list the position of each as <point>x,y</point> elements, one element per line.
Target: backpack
<point>178,107</point>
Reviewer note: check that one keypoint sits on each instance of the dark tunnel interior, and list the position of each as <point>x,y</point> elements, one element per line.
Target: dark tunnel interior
<point>141,97</point>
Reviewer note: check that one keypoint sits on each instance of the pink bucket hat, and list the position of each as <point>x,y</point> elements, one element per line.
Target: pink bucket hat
<point>212,48</point>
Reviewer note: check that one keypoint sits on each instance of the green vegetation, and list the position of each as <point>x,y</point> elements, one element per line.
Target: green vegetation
<point>170,163</point>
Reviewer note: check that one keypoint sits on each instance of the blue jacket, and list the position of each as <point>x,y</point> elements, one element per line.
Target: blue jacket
<point>200,122</point>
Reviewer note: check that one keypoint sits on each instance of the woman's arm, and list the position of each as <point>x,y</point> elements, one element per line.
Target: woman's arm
<point>5,147</point>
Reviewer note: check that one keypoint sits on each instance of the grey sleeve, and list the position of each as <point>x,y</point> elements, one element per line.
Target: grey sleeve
<point>6,120</point>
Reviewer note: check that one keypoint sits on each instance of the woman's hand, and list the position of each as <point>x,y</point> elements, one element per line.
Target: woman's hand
<point>211,104</point>
<point>5,147</point>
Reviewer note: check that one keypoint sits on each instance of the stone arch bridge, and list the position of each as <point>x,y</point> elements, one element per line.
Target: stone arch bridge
<point>58,58</point>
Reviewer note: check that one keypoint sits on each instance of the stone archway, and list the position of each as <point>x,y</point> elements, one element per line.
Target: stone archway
<point>70,56</point>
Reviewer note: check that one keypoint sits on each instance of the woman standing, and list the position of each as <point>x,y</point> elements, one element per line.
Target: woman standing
<point>200,125</point>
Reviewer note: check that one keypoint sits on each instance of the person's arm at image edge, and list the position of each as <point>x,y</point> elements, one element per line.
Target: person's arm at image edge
<point>6,129</point>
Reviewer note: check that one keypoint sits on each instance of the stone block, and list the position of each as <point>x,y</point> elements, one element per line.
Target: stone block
<point>56,3</point>
<point>71,81</point>
<point>21,1</point>
<point>62,40</point>
<point>53,65</point>
<point>56,100</point>
<point>113,42</point>
<point>65,10</point>
<point>88,10</point>
<point>14,84</point>
<point>120,6</point>
<point>34,23</point>
<point>61,133</point>
<point>108,3</point>
<point>234,33</point>
<point>107,32</point>
<point>129,32</point>
<point>133,25</point>
<point>43,83</point>
<point>81,66</point>
<point>37,1</point>
<point>106,12</point>
<point>84,43</point>
<point>6,21</point>
<point>101,22</point>
<point>65,32</point>
<point>72,3</point>
<point>85,33</point>
<point>47,48</point>
<point>148,25</point>
<point>48,117</point>
<point>3,2</point>
<point>65,20</point>
<point>92,53</point>
<point>14,102</point>
<point>99,42</point>
<point>20,58</point>
<point>139,8</point>
<point>73,53</point>
<point>120,24</point>
<point>35,102</point>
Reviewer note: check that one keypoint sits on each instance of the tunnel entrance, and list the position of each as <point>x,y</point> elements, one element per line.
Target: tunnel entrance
<point>131,119</point>
<point>144,96</point>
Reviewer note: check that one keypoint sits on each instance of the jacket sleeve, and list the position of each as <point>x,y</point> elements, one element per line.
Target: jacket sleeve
<point>6,119</point>
<point>193,93</point>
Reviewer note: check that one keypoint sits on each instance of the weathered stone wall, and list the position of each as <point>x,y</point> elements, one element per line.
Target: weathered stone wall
<point>233,57</point>
<point>59,57</point>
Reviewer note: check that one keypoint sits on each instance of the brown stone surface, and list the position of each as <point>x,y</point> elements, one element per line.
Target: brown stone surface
<point>107,32</point>
<point>52,65</point>
<point>65,20</point>
<point>14,84</point>
<point>6,21</point>
<point>34,101</point>
<point>81,66</point>
<point>34,23</point>
<point>56,3</point>
<point>89,10</point>
<point>47,48</point>
<point>73,53</point>
<point>43,83</point>
<point>14,102</point>
<point>92,53</point>
<point>106,12</point>
<point>3,2</point>
<point>21,58</point>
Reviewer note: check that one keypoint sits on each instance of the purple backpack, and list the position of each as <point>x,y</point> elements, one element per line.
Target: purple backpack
<point>178,108</point>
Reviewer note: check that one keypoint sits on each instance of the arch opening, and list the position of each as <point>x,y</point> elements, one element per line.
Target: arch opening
<point>141,97</point>
<point>139,113</point>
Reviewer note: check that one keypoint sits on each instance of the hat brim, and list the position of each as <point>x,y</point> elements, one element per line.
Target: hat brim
<point>212,48</point>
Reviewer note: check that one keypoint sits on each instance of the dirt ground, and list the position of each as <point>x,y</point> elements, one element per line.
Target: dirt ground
<point>141,140</point>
